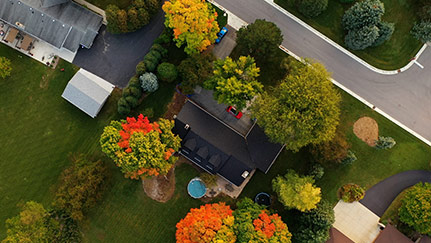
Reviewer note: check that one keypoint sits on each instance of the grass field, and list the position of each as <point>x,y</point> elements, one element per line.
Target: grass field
<point>391,55</point>
<point>38,130</point>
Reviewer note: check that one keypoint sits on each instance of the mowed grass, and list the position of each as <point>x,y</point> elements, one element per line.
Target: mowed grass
<point>38,131</point>
<point>391,55</point>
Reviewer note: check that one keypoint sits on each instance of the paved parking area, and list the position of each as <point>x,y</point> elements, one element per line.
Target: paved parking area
<point>226,45</point>
<point>114,57</point>
<point>356,222</point>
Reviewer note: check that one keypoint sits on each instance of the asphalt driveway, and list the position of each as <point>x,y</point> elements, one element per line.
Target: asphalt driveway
<point>114,57</point>
<point>379,197</point>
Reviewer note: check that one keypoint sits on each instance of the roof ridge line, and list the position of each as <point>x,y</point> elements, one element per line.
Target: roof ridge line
<point>222,122</point>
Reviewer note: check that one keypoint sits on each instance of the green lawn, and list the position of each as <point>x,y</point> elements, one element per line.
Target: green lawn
<point>39,130</point>
<point>123,4</point>
<point>393,54</point>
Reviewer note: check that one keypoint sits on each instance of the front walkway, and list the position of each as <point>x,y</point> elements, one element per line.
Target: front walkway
<point>356,222</point>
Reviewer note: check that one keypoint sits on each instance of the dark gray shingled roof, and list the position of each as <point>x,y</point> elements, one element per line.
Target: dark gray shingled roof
<point>237,153</point>
<point>62,23</point>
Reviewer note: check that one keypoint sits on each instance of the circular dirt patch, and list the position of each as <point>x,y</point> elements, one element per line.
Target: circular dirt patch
<point>160,188</point>
<point>367,130</point>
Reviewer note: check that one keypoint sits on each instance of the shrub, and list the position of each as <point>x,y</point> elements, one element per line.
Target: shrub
<point>132,101</point>
<point>422,31</point>
<point>317,171</point>
<point>150,65</point>
<point>351,193</point>
<point>313,226</point>
<point>333,151</point>
<point>350,158</point>
<point>152,6</point>
<point>152,56</point>
<point>122,102</point>
<point>148,112</point>
<point>165,37</point>
<point>209,179</point>
<point>362,38</point>
<point>156,54</point>
<point>415,208</point>
<point>167,72</point>
<point>135,92</point>
<point>134,82</point>
<point>69,230</point>
<point>124,110</point>
<point>311,8</point>
<point>140,69</point>
<point>347,1</point>
<point>385,32</point>
<point>160,49</point>
<point>80,187</point>
<point>385,142</point>
<point>149,82</point>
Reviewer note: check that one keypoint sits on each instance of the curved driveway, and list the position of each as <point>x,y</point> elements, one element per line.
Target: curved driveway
<point>406,96</point>
<point>379,197</point>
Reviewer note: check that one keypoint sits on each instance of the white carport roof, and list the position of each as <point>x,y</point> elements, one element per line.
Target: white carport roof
<point>88,92</point>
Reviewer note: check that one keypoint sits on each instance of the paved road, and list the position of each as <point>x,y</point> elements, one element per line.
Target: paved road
<point>114,57</point>
<point>406,96</point>
<point>379,197</point>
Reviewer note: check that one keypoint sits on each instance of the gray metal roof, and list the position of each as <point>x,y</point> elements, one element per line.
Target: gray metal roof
<point>87,92</point>
<point>62,24</point>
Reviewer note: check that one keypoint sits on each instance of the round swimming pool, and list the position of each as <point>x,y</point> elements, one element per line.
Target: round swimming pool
<point>263,199</point>
<point>196,188</point>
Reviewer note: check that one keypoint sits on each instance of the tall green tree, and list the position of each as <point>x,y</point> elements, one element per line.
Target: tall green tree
<point>80,187</point>
<point>235,82</point>
<point>303,109</point>
<point>33,224</point>
<point>422,31</point>
<point>296,192</point>
<point>313,226</point>
<point>194,70</point>
<point>415,209</point>
<point>260,40</point>
<point>5,67</point>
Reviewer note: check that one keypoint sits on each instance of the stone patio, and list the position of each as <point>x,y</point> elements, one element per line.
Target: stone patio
<point>229,189</point>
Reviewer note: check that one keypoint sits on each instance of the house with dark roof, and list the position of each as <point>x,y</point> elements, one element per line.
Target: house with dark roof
<point>218,149</point>
<point>61,23</point>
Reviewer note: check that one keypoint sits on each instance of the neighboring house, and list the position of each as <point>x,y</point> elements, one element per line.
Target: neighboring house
<point>218,149</point>
<point>61,23</point>
<point>88,92</point>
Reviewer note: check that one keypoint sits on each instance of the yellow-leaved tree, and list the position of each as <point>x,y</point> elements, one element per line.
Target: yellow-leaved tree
<point>194,23</point>
<point>297,192</point>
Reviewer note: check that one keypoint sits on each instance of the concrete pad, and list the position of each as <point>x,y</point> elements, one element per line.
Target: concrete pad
<point>356,222</point>
<point>226,45</point>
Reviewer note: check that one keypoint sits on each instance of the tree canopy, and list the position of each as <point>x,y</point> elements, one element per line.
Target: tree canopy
<point>311,8</point>
<point>260,40</point>
<point>5,67</point>
<point>415,209</point>
<point>194,23</point>
<point>364,25</point>
<point>297,192</point>
<point>313,226</point>
<point>141,148</point>
<point>209,223</point>
<point>194,70</point>
<point>234,82</point>
<point>33,224</point>
<point>253,223</point>
<point>302,110</point>
<point>80,187</point>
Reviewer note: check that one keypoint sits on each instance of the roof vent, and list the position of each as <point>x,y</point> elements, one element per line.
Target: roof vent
<point>20,25</point>
<point>245,174</point>
<point>186,126</point>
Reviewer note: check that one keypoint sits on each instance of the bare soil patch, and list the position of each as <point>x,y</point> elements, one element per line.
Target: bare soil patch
<point>160,188</point>
<point>366,129</point>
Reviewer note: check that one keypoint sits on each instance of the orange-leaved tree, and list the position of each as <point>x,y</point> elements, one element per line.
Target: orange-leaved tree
<point>253,223</point>
<point>194,23</point>
<point>141,148</point>
<point>209,223</point>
